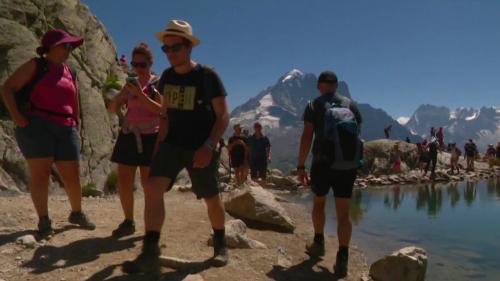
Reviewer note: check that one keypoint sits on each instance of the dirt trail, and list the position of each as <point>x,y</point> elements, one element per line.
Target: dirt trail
<point>74,254</point>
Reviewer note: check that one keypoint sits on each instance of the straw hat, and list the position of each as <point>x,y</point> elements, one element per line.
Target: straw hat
<point>178,28</point>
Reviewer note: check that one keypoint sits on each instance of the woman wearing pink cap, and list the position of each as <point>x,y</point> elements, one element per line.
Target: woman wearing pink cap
<point>42,99</point>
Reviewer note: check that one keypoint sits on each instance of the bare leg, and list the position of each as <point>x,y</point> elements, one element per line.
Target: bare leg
<point>70,174</point>
<point>344,226</point>
<point>154,209</point>
<point>39,183</point>
<point>215,212</point>
<point>126,177</point>
<point>318,214</point>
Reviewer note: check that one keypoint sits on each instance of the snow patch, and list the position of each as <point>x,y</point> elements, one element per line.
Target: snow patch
<point>472,117</point>
<point>292,74</point>
<point>266,101</point>
<point>403,120</point>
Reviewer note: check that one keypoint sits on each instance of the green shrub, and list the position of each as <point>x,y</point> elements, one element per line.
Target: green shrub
<point>111,83</point>
<point>111,184</point>
<point>90,189</point>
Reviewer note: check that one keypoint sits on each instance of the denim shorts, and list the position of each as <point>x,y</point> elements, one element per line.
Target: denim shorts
<point>45,139</point>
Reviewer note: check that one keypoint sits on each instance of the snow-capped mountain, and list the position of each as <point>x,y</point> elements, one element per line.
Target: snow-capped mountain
<point>279,108</point>
<point>482,125</point>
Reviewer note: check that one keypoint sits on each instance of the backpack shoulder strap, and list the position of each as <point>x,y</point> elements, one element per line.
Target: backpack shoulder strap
<point>41,69</point>
<point>161,81</point>
<point>152,87</point>
<point>208,85</point>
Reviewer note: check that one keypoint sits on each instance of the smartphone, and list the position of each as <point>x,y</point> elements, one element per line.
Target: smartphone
<point>132,80</point>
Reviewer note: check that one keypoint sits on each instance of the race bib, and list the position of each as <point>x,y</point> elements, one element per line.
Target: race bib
<point>180,97</point>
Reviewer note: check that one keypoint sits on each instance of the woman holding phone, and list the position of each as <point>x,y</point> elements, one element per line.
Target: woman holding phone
<point>135,144</point>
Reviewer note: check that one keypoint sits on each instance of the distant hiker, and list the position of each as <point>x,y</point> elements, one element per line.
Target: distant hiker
<point>433,132</point>
<point>387,131</point>
<point>334,121</point>
<point>139,131</point>
<point>260,153</point>
<point>490,156</point>
<point>433,154</point>
<point>396,158</point>
<point>193,118</point>
<point>43,101</point>
<point>471,152</point>
<point>123,63</point>
<point>423,155</point>
<point>238,155</point>
<point>408,140</point>
<point>440,138</point>
<point>498,153</point>
<point>455,156</point>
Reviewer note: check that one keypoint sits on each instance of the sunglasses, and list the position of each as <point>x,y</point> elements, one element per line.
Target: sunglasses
<point>141,64</point>
<point>174,48</point>
<point>68,46</point>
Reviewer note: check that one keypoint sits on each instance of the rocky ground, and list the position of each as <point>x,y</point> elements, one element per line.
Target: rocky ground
<point>74,254</point>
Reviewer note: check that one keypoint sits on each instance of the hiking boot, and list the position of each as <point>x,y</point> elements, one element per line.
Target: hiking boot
<point>144,263</point>
<point>340,267</point>
<point>82,220</point>
<point>127,227</point>
<point>147,262</point>
<point>221,255</point>
<point>315,249</point>
<point>45,227</point>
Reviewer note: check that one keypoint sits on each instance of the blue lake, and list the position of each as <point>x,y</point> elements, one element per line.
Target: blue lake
<point>457,224</point>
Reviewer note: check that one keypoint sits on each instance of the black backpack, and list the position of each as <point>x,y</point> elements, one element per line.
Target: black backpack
<point>341,146</point>
<point>22,97</point>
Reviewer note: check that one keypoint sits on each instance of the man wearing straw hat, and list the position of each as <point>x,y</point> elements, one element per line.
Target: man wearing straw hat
<point>194,116</point>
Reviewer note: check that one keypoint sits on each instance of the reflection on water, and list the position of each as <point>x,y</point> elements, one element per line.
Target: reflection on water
<point>457,224</point>
<point>429,198</point>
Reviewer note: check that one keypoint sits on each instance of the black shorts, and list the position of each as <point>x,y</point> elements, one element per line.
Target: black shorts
<point>126,152</point>
<point>171,159</point>
<point>43,139</point>
<point>323,178</point>
<point>237,160</point>
<point>258,169</point>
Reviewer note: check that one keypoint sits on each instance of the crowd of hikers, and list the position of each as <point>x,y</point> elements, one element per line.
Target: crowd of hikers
<point>173,121</point>
<point>427,154</point>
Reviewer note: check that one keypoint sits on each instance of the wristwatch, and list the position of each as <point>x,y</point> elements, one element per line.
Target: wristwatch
<point>210,144</point>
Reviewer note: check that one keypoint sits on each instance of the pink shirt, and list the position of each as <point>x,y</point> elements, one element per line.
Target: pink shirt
<point>55,92</point>
<point>138,115</point>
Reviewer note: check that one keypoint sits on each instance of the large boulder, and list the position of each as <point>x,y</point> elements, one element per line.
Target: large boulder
<point>22,23</point>
<point>377,155</point>
<point>407,264</point>
<point>258,208</point>
<point>237,238</point>
<point>7,184</point>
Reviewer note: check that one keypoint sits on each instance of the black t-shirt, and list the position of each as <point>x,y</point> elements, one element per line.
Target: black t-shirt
<point>238,150</point>
<point>470,149</point>
<point>259,148</point>
<point>190,113</point>
<point>315,111</point>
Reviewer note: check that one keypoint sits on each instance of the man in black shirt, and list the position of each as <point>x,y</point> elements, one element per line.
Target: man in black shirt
<point>194,116</point>
<point>260,154</point>
<point>238,154</point>
<point>323,177</point>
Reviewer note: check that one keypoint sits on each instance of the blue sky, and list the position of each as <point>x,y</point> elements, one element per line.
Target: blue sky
<point>394,54</point>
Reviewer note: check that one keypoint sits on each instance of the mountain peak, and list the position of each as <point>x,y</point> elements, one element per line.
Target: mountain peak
<point>292,74</point>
